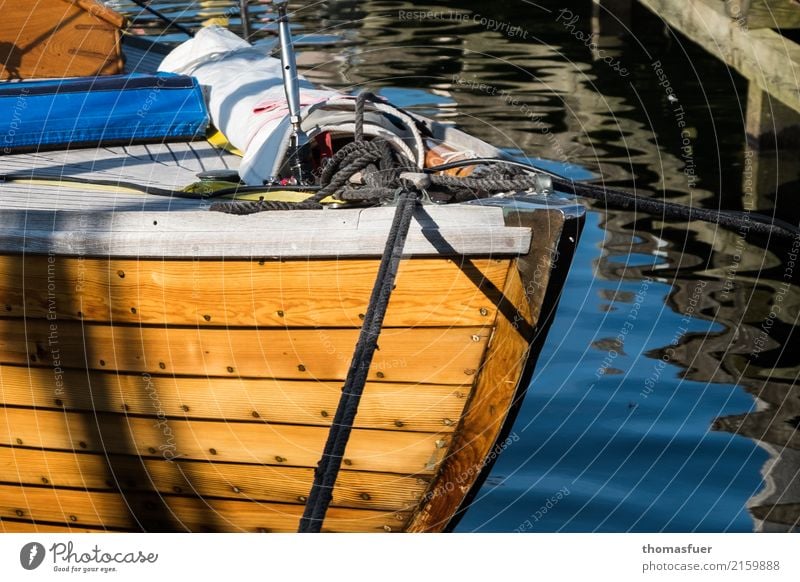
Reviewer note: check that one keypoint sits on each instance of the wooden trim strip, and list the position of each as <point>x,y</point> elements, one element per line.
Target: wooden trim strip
<point>405,453</point>
<point>102,11</point>
<point>355,489</point>
<point>306,234</point>
<point>20,526</point>
<point>176,513</point>
<point>425,355</point>
<point>386,406</point>
<point>248,244</point>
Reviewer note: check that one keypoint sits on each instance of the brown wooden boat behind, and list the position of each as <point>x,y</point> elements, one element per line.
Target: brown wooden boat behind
<point>179,370</point>
<point>59,38</point>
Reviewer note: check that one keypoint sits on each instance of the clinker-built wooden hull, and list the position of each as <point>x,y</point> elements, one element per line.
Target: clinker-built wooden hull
<point>179,371</point>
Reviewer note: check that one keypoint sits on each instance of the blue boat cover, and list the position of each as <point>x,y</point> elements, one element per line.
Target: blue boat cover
<point>92,111</point>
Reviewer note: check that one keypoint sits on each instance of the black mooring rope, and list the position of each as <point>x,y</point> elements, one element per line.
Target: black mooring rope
<point>753,223</point>
<point>748,222</point>
<point>381,168</point>
<point>327,470</point>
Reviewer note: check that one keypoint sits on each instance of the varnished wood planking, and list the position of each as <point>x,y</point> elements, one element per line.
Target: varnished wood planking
<point>166,513</point>
<point>389,406</point>
<point>19,526</point>
<point>327,293</point>
<point>261,443</point>
<point>356,489</point>
<point>483,418</point>
<point>100,10</point>
<point>430,355</point>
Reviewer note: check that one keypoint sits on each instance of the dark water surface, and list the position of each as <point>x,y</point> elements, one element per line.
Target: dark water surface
<point>636,430</point>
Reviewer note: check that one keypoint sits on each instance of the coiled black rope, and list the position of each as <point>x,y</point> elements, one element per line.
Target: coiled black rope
<point>376,160</point>
<point>381,169</point>
<point>327,470</point>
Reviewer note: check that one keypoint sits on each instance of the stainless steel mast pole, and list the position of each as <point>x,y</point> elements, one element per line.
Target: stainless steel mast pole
<point>244,14</point>
<point>300,148</point>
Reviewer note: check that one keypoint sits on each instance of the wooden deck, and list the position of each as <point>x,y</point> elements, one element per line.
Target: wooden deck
<point>170,166</point>
<point>41,212</point>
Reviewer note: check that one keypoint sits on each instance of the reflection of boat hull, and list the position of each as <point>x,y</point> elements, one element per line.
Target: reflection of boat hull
<point>182,391</point>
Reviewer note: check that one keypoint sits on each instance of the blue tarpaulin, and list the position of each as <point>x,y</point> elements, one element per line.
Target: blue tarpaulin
<point>85,112</point>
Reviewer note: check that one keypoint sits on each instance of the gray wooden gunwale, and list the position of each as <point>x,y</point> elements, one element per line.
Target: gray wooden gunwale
<point>329,233</point>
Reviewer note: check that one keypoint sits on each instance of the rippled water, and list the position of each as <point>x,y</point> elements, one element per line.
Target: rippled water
<point>640,430</point>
